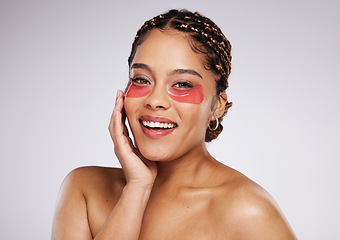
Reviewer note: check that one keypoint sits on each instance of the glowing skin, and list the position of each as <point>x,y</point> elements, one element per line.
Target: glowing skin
<point>181,92</point>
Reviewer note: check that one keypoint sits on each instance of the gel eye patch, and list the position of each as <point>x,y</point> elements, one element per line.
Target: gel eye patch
<point>193,95</point>
<point>133,90</point>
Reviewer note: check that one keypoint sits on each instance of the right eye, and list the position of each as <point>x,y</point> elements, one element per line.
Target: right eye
<point>140,81</point>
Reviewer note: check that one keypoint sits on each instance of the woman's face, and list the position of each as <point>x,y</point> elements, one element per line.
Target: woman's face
<point>169,96</point>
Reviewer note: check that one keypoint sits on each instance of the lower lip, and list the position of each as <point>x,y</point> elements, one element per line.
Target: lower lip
<point>161,132</point>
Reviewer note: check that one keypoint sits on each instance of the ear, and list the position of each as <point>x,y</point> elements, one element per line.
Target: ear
<point>219,108</point>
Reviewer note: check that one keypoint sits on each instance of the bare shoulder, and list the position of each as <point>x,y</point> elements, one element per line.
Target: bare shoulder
<point>94,178</point>
<point>81,192</point>
<point>250,210</point>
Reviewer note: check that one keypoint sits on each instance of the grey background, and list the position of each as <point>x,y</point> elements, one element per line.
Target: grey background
<point>61,63</point>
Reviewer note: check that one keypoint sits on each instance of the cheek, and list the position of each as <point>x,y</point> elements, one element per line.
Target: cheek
<point>191,127</point>
<point>133,90</point>
<point>194,95</point>
<point>131,108</point>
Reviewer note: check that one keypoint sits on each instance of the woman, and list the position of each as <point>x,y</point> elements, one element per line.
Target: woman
<point>169,186</point>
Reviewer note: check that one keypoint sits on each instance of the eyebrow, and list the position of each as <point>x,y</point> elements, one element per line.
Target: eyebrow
<point>173,72</point>
<point>142,66</point>
<point>185,71</point>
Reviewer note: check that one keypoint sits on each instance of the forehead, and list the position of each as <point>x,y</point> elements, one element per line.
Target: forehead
<point>169,47</point>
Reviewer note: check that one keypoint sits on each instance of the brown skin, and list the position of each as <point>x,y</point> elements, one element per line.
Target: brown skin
<point>166,189</point>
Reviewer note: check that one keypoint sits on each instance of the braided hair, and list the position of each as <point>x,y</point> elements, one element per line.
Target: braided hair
<point>207,38</point>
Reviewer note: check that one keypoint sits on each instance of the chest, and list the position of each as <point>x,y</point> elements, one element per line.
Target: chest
<point>181,219</point>
<point>167,218</point>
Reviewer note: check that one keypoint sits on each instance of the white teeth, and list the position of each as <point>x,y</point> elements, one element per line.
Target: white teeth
<point>158,124</point>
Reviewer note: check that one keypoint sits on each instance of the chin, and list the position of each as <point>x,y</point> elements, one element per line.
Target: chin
<point>155,154</point>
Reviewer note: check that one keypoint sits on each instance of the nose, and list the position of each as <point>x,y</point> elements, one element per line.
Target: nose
<point>158,99</point>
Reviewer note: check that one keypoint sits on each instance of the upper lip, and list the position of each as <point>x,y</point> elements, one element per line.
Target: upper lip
<point>151,118</point>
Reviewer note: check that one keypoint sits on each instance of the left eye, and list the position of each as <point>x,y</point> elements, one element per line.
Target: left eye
<point>140,81</point>
<point>184,85</point>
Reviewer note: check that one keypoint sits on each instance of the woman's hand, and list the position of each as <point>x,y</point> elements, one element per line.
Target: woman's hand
<point>137,169</point>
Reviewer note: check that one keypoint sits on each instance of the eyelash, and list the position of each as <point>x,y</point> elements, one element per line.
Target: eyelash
<point>140,81</point>
<point>185,85</point>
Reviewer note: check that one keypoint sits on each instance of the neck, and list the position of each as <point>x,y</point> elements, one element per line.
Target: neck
<point>191,169</point>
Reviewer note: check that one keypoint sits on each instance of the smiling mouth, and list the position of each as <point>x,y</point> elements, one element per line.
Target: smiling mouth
<point>157,125</point>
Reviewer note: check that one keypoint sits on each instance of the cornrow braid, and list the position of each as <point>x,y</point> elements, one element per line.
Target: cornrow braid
<point>207,38</point>
<point>213,28</point>
<point>225,68</point>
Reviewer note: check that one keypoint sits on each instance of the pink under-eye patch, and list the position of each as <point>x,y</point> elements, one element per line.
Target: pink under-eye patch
<point>133,90</point>
<point>193,95</point>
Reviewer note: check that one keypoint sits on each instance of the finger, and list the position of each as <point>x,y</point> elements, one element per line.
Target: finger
<point>112,117</point>
<point>118,128</point>
<point>150,164</point>
<point>116,111</point>
<point>145,161</point>
<point>126,132</point>
<point>120,107</point>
